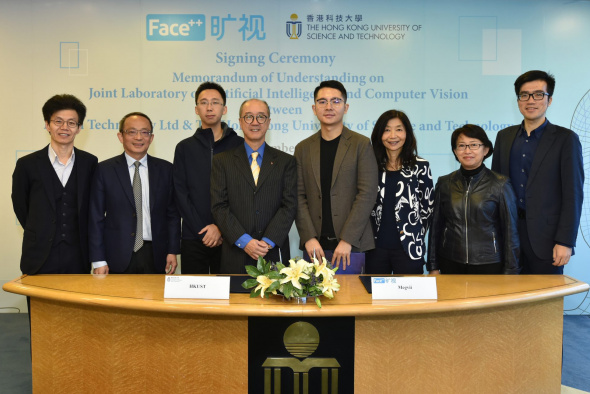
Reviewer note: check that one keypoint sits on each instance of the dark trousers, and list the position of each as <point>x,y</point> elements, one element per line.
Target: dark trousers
<point>142,261</point>
<point>65,258</point>
<point>453,268</point>
<point>196,258</point>
<point>381,261</point>
<point>530,263</point>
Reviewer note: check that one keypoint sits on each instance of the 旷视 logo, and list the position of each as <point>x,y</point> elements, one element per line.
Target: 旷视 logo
<point>175,27</point>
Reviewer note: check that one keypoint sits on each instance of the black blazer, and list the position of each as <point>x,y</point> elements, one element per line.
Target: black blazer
<point>554,191</point>
<point>112,220</point>
<point>34,205</point>
<point>264,210</point>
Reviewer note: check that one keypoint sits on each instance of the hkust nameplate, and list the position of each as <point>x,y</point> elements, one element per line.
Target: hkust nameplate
<point>197,287</point>
<point>404,288</point>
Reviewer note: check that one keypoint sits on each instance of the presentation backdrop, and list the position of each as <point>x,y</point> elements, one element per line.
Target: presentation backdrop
<point>443,63</point>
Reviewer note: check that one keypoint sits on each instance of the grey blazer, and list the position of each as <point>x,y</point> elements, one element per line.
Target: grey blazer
<point>354,189</point>
<point>264,210</point>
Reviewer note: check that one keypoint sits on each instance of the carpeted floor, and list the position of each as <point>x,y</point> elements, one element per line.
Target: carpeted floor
<point>15,358</point>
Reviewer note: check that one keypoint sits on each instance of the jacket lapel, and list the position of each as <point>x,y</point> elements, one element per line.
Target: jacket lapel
<point>47,173</point>
<point>153,172</point>
<point>81,172</point>
<point>343,146</point>
<point>242,163</point>
<point>314,157</point>
<point>122,172</point>
<point>544,146</point>
<point>268,164</point>
<point>505,165</point>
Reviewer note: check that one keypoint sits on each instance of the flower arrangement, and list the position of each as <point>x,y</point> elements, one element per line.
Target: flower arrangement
<point>299,279</point>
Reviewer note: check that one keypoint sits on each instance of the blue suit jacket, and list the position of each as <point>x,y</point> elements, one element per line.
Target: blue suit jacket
<point>554,191</point>
<point>112,220</point>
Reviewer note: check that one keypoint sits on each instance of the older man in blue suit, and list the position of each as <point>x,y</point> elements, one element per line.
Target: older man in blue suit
<point>134,223</point>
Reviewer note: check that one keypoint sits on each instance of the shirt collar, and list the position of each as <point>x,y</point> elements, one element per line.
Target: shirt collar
<point>250,150</point>
<point>54,159</point>
<point>536,133</point>
<point>131,161</point>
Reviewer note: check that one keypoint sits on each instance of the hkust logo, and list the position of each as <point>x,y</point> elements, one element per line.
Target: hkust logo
<point>175,27</point>
<point>294,27</point>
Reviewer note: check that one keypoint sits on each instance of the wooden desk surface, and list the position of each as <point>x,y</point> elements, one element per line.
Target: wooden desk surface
<point>146,292</point>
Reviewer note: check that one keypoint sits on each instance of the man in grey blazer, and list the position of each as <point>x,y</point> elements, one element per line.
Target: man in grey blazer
<point>544,163</point>
<point>253,195</point>
<point>337,182</point>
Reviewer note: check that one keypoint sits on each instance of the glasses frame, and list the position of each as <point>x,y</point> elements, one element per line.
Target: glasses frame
<point>205,103</point>
<point>334,102</point>
<point>463,147</point>
<point>69,123</point>
<point>251,117</point>
<point>520,97</point>
<point>144,133</point>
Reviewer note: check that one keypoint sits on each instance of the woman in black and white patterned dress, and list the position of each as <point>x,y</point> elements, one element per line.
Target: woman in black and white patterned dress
<point>403,210</point>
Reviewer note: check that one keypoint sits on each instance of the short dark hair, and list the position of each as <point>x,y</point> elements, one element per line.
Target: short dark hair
<point>60,102</point>
<point>535,75</point>
<point>409,150</point>
<point>254,99</point>
<point>472,131</point>
<point>330,84</point>
<point>208,86</point>
<point>122,121</point>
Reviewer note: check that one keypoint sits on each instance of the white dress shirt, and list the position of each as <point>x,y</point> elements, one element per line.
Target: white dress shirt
<point>63,171</point>
<point>145,198</point>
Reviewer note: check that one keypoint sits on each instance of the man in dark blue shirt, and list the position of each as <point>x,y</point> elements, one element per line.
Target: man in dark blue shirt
<point>544,163</point>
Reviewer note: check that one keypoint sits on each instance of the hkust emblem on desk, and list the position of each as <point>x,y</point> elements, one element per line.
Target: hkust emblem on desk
<point>301,340</point>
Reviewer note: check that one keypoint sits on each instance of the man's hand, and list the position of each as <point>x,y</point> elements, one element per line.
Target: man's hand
<point>212,236</point>
<point>314,244</point>
<point>434,272</point>
<point>342,253</point>
<point>104,270</point>
<point>561,255</point>
<point>256,248</point>
<point>171,264</point>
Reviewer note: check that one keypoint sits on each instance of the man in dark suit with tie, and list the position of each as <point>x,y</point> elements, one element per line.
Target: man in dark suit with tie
<point>50,192</point>
<point>544,163</point>
<point>134,223</point>
<point>253,195</point>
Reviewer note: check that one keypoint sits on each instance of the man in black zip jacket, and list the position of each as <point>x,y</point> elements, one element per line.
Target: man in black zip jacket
<point>201,239</point>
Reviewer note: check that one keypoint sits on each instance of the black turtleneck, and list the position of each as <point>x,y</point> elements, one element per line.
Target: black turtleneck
<point>470,173</point>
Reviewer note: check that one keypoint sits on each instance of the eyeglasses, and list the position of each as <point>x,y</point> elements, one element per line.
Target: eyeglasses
<point>205,103</point>
<point>71,124</point>
<point>472,147</point>
<point>259,118</point>
<point>334,101</point>
<point>537,96</point>
<point>144,132</point>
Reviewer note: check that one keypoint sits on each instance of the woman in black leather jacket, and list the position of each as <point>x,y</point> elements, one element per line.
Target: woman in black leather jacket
<point>474,224</point>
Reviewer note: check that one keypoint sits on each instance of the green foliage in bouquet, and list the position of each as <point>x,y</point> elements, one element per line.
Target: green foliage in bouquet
<point>299,279</point>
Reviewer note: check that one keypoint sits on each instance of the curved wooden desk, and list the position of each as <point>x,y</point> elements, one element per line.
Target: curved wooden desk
<point>116,334</point>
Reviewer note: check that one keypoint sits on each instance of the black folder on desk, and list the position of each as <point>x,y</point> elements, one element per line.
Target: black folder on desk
<point>366,281</point>
<point>235,283</point>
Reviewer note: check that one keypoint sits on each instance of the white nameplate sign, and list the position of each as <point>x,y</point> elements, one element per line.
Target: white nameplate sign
<point>404,288</point>
<point>202,287</point>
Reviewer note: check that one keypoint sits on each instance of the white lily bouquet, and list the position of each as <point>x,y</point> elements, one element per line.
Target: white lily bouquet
<point>299,279</point>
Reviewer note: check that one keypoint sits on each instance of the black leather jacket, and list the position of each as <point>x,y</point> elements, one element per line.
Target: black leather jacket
<point>474,221</point>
